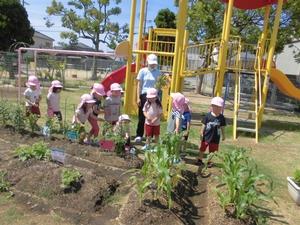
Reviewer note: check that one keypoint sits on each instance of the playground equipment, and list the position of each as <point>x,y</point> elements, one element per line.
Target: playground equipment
<point>226,54</point>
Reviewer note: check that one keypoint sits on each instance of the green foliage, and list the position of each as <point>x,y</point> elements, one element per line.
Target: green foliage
<point>4,184</point>
<point>296,177</point>
<point>165,19</point>
<point>160,174</point>
<point>54,125</point>
<point>4,112</point>
<point>161,82</point>
<point>14,24</point>
<point>17,117</point>
<point>31,120</point>
<point>89,20</point>
<point>38,151</point>
<point>243,187</point>
<point>69,177</point>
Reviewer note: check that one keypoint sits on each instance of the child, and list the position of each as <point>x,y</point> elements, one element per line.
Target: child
<point>112,104</point>
<point>152,112</point>
<point>53,100</point>
<point>213,124</point>
<point>123,128</point>
<point>186,122</point>
<point>83,111</point>
<point>32,96</point>
<point>175,118</point>
<point>97,93</point>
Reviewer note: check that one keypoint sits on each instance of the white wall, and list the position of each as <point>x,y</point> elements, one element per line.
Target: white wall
<point>285,61</point>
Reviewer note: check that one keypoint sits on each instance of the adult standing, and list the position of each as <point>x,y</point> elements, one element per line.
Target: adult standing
<point>146,79</point>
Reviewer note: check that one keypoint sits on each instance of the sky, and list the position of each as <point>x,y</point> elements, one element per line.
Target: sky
<point>36,10</point>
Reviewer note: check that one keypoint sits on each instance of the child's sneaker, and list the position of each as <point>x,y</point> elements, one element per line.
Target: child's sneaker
<point>138,139</point>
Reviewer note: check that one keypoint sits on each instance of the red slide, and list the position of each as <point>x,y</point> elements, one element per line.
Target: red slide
<point>116,76</point>
<point>252,4</point>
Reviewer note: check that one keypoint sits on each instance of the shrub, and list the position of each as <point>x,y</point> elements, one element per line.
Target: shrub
<point>297,177</point>
<point>243,188</point>
<point>159,174</point>
<point>38,151</point>
<point>69,177</point>
<point>4,184</point>
<point>4,112</point>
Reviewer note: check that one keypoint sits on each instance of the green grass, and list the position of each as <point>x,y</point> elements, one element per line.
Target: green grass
<point>12,215</point>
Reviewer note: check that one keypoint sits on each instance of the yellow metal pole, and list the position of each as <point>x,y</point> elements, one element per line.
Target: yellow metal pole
<point>270,57</point>
<point>264,34</point>
<point>128,107</point>
<point>223,50</point>
<point>181,20</point>
<point>140,34</point>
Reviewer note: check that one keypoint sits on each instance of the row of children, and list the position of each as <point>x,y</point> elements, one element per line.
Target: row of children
<point>90,107</point>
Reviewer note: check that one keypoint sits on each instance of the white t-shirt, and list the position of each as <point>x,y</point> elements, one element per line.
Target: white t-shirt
<point>152,110</point>
<point>83,117</point>
<point>32,96</point>
<point>112,106</point>
<point>53,101</point>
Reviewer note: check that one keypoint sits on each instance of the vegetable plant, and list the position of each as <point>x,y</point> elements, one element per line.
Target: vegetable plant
<point>38,151</point>
<point>159,174</point>
<point>54,125</point>
<point>4,112</point>
<point>4,184</point>
<point>32,122</point>
<point>296,177</point>
<point>69,177</point>
<point>161,82</point>
<point>17,116</point>
<point>243,187</point>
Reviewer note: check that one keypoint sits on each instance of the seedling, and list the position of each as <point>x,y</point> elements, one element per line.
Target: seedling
<point>69,177</point>
<point>38,151</point>
<point>4,184</point>
<point>297,177</point>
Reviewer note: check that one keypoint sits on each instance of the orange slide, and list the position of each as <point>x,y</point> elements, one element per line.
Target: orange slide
<point>116,76</point>
<point>284,84</point>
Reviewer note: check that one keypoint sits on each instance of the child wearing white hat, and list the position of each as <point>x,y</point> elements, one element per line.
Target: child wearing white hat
<point>53,100</point>
<point>112,104</point>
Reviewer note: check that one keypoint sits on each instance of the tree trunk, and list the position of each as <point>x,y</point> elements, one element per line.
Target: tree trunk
<point>94,69</point>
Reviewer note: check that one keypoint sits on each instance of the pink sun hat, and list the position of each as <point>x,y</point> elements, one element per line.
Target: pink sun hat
<point>151,93</point>
<point>178,101</point>
<point>86,98</point>
<point>98,89</point>
<point>32,81</point>
<point>218,101</point>
<point>55,84</point>
<point>116,87</point>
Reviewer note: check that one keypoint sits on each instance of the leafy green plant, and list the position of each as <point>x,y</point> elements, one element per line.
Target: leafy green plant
<point>54,125</point>
<point>32,122</point>
<point>4,112</point>
<point>159,174</point>
<point>17,116</point>
<point>38,151</point>
<point>4,184</point>
<point>296,177</point>
<point>243,188</point>
<point>161,82</point>
<point>69,177</point>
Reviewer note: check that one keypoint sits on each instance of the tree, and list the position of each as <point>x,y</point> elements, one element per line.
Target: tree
<point>14,24</point>
<point>90,20</point>
<point>206,20</point>
<point>165,19</point>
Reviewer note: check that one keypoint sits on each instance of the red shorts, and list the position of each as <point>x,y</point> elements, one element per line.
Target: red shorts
<point>212,147</point>
<point>152,130</point>
<point>34,110</point>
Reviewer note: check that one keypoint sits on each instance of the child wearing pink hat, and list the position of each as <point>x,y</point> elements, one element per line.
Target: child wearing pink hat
<point>83,111</point>
<point>53,100</point>
<point>33,96</point>
<point>175,118</point>
<point>152,112</point>
<point>97,93</point>
<point>112,104</point>
<point>213,125</point>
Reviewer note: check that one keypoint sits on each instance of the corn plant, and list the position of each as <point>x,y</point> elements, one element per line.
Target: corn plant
<point>17,116</point>
<point>54,125</point>
<point>4,184</point>
<point>159,174</point>
<point>243,187</point>
<point>32,122</point>
<point>69,177</point>
<point>161,82</point>
<point>173,144</point>
<point>4,112</point>
<point>38,151</point>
